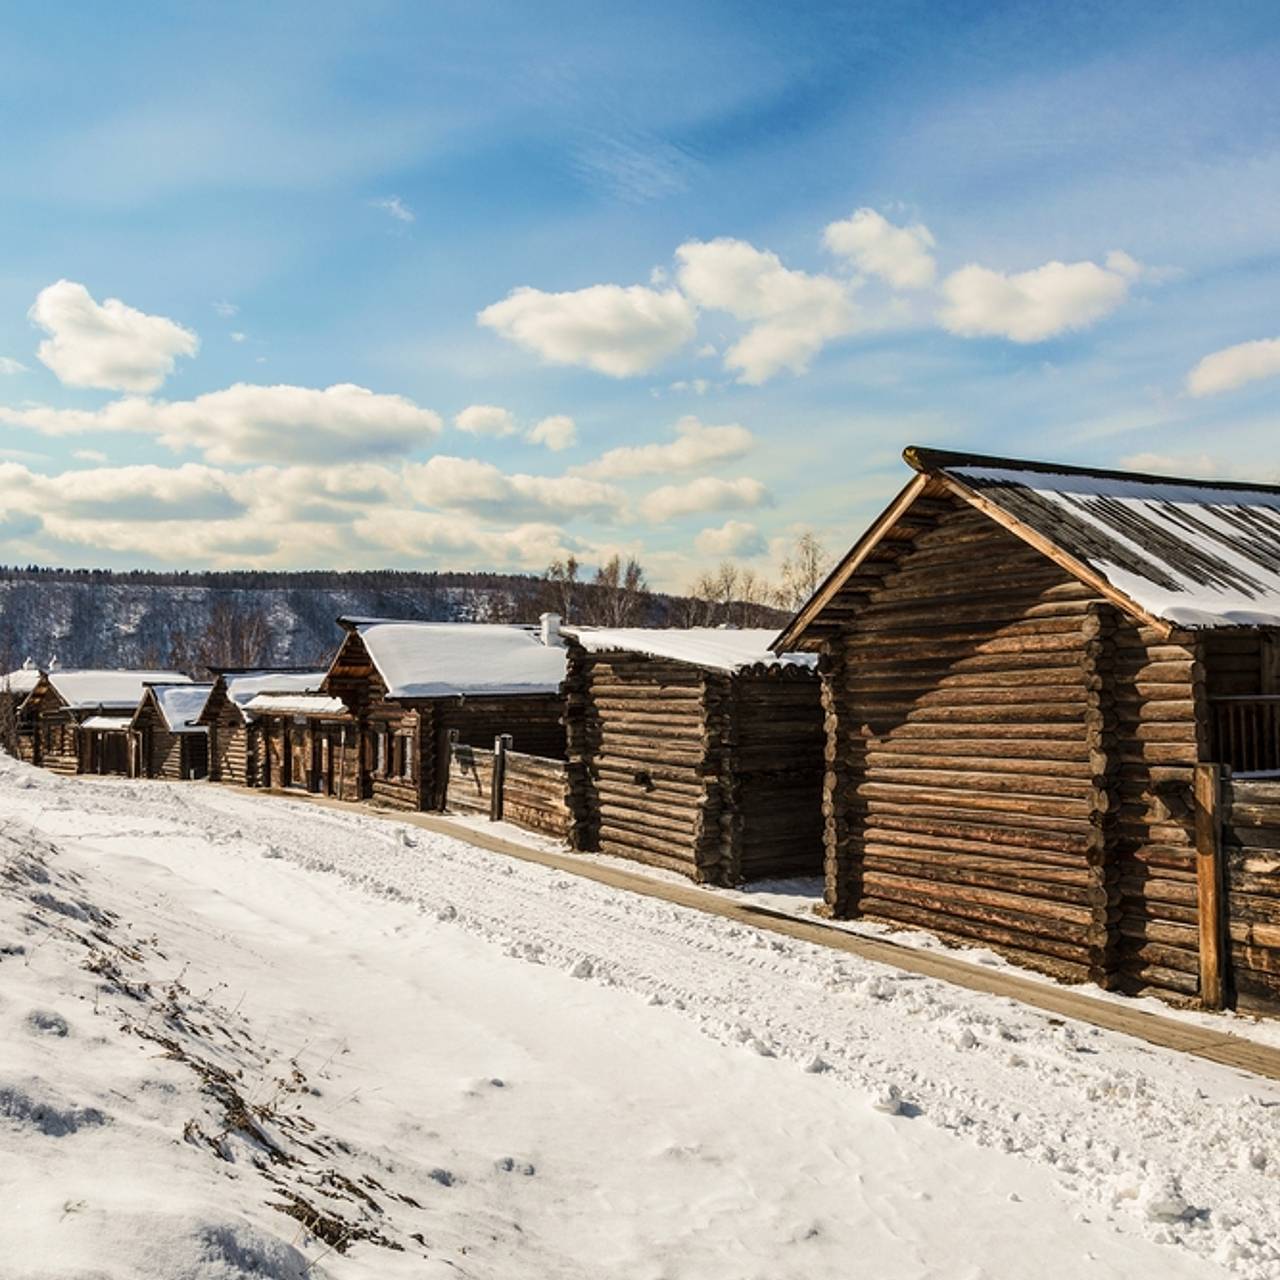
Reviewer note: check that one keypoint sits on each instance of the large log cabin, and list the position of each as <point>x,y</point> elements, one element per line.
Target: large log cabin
<point>416,690</point>
<point>1025,668</point>
<point>235,753</point>
<point>82,718</point>
<point>169,740</point>
<point>699,751</point>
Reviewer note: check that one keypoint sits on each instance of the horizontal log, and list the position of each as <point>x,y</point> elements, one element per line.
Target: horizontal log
<point>888,830</point>
<point>985,801</point>
<point>1068,922</point>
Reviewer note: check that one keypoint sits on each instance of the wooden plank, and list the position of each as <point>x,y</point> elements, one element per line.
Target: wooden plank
<point>1208,827</point>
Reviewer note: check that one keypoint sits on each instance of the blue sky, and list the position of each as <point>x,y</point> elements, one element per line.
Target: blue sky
<point>758,248</point>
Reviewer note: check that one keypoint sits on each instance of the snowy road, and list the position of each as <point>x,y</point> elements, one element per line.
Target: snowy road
<point>564,1079</point>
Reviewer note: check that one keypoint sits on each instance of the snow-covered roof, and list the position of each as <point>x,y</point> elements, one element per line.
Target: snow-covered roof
<point>112,724</point>
<point>244,686</point>
<point>1189,552</point>
<point>181,705</point>
<point>296,704</point>
<point>82,689</point>
<point>716,648</point>
<point>448,659</point>
<point>23,680</point>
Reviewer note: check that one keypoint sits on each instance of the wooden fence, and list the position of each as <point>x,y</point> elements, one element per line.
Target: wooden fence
<point>1250,842</point>
<point>530,791</point>
<point>1246,732</point>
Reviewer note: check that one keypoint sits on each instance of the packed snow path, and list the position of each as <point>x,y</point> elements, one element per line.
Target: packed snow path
<point>527,1074</point>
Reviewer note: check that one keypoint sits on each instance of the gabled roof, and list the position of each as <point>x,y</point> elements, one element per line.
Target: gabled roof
<point>108,689</point>
<point>107,724</point>
<point>452,659</point>
<point>180,705</point>
<point>21,681</point>
<point>713,648</point>
<point>1170,552</point>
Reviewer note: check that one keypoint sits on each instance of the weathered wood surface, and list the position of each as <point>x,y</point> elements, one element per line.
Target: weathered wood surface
<point>1251,872</point>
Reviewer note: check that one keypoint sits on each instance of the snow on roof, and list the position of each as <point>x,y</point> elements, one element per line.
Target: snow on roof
<point>296,704</point>
<point>181,705</point>
<point>449,659</point>
<point>23,680</point>
<point>112,724</point>
<point>81,689</point>
<point>718,648</point>
<point>1193,553</point>
<point>244,686</point>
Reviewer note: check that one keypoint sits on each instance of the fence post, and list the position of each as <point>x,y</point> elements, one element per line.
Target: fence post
<point>501,745</point>
<point>1213,950</point>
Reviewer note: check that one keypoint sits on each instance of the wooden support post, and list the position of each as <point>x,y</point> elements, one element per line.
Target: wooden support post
<point>1213,951</point>
<point>501,745</point>
<point>446,765</point>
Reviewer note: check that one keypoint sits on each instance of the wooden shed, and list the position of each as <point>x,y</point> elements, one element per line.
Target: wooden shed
<point>699,751</point>
<point>82,718</point>
<point>235,756</point>
<point>16,720</point>
<point>419,690</point>
<point>1030,674</point>
<point>308,742</point>
<point>169,740</point>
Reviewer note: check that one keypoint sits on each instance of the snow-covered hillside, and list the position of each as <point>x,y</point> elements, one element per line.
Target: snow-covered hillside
<point>243,1036</point>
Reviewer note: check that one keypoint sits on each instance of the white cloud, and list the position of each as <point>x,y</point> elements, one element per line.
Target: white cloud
<point>90,455</point>
<point>469,484</point>
<point>699,386</point>
<point>695,446</point>
<point>613,330</point>
<point>396,208</point>
<point>9,366</point>
<point>226,309</point>
<point>485,420</point>
<point>239,337</point>
<point>733,538</point>
<point>557,433</point>
<point>708,493</point>
<point>1034,305</point>
<point>1233,367</point>
<point>249,423</point>
<point>415,535</point>
<point>109,345</point>
<point>899,255</point>
<point>792,314</point>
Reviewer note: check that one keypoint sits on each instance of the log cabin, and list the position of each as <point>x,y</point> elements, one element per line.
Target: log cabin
<point>235,756</point>
<point>1025,669</point>
<point>82,718</point>
<point>169,740</point>
<point>419,690</point>
<point>16,720</point>
<point>699,751</point>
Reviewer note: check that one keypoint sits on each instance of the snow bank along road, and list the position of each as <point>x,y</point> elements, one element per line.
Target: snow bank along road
<point>241,1036</point>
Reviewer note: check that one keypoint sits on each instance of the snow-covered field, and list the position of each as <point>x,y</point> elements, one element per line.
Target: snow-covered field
<point>242,1036</point>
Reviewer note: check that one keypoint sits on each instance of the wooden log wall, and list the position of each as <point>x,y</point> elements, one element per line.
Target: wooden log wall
<point>970,771</point>
<point>60,742</point>
<point>772,775</point>
<point>1251,849</point>
<point>643,775</point>
<point>233,754</point>
<point>1160,715</point>
<point>390,790</point>
<point>535,794</point>
<point>534,721</point>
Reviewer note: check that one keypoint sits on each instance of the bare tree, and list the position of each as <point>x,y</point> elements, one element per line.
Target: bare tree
<point>233,637</point>
<point>562,587</point>
<point>803,570</point>
<point>618,593</point>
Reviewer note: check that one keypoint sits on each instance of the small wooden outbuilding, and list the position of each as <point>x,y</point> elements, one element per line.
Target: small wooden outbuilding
<point>16,721</point>
<point>82,718</point>
<point>699,751</point>
<point>235,754</point>
<point>308,742</point>
<point>419,691</point>
<point>170,742</point>
<point>1032,676</point>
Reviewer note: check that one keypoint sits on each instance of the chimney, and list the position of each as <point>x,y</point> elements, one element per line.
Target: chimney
<point>551,630</point>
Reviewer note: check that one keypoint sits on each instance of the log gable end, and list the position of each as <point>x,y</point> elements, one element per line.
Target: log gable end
<point>1009,757</point>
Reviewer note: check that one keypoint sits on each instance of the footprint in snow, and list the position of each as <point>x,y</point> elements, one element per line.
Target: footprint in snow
<point>47,1023</point>
<point>510,1165</point>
